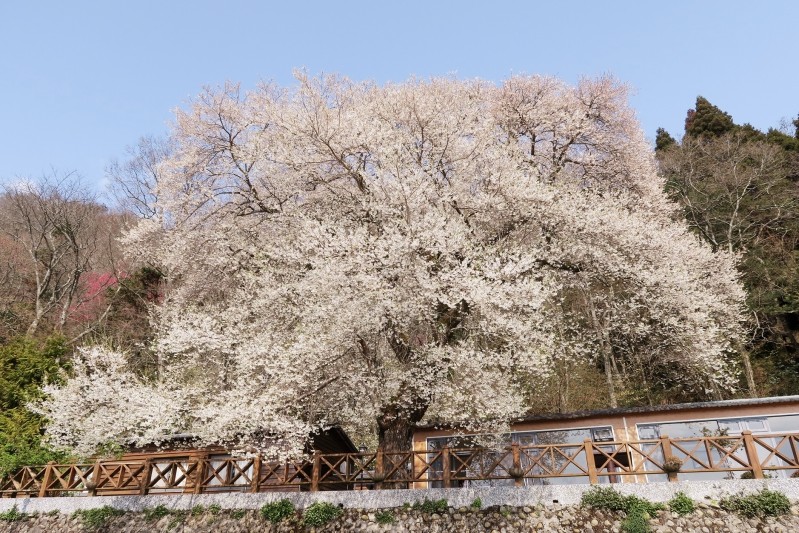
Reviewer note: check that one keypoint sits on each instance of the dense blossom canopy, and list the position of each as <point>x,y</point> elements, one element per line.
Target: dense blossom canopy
<point>344,252</point>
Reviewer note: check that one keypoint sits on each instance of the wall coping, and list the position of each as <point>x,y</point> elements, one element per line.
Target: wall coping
<point>542,495</point>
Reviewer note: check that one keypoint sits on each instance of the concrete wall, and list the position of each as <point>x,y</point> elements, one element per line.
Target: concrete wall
<point>506,510</point>
<point>541,496</point>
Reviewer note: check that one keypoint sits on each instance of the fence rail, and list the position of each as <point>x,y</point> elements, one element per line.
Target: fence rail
<point>196,472</point>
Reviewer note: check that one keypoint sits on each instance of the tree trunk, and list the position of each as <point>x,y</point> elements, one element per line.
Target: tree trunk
<point>394,431</point>
<point>748,373</point>
<point>395,428</point>
<point>395,436</point>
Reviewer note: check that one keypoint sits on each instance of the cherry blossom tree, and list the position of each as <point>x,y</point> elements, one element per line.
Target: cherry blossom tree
<point>348,253</point>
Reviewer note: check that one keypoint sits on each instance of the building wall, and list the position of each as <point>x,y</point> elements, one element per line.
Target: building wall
<point>624,424</point>
<point>625,421</point>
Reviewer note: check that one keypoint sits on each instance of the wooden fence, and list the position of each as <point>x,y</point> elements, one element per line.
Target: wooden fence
<point>747,455</point>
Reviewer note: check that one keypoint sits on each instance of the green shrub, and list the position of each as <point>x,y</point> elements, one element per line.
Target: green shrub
<point>763,503</point>
<point>477,504</point>
<point>238,514</point>
<point>12,515</point>
<point>155,513</point>
<point>197,510</point>
<point>431,506</point>
<point>636,523</point>
<point>682,504</point>
<point>26,365</point>
<point>638,510</point>
<point>214,509</point>
<point>277,511</point>
<point>610,500</point>
<point>604,498</point>
<point>95,518</point>
<point>320,513</point>
<point>384,517</point>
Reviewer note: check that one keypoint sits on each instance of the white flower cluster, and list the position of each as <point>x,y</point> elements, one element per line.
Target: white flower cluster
<point>344,252</point>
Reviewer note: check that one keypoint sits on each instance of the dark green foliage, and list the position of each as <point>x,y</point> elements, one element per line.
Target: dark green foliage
<point>128,321</point>
<point>238,514</point>
<point>763,503</point>
<point>431,506</point>
<point>197,510</point>
<point>681,504</point>
<point>156,513</point>
<point>277,511</point>
<point>95,518</point>
<point>738,189</point>
<point>663,140</point>
<point>214,509</point>
<point>384,517</point>
<point>320,513</point>
<point>787,142</point>
<point>707,119</point>
<point>12,515</point>
<point>477,504</point>
<point>26,365</point>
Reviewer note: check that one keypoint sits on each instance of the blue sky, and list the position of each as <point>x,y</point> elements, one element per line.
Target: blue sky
<point>81,80</point>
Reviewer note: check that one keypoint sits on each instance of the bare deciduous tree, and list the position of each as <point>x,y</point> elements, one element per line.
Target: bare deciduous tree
<point>58,225</point>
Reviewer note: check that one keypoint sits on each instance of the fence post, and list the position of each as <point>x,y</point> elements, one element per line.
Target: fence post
<point>751,454</point>
<point>517,474</point>
<point>199,473</point>
<point>446,467</point>
<point>145,478</point>
<point>379,469</point>
<point>665,445</point>
<point>96,473</point>
<point>256,473</point>
<point>593,479</point>
<point>317,466</point>
<point>48,474</point>
<point>412,481</point>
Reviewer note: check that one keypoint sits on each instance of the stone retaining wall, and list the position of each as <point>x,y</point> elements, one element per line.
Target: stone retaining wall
<point>505,510</point>
<point>558,518</point>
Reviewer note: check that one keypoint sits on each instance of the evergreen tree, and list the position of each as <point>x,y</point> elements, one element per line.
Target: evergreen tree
<point>738,189</point>
<point>663,140</point>
<point>707,119</point>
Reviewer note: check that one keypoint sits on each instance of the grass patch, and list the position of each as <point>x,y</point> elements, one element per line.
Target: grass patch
<point>197,510</point>
<point>214,509</point>
<point>12,515</point>
<point>638,510</point>
<point>177,520</point>
<point>320,513</point>
<point>384,517</point>
<point>636,523</point>
<point>152,514</point>
<point>431,506</point>
<point>477,503</point>
<point>238,514</point>
<point>278,511</point>
<point>681,504</point>
<point>763,503</point>
<point>95,518</point>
